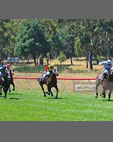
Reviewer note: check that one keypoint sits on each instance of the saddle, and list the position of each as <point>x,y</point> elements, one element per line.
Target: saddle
<point>44,79</point>
<point>102,76</point>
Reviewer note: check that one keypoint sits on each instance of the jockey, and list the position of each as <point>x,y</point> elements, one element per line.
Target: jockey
<point>8,66</point>
<point>48,70</point>
<point>2,71</point>
<point>107,66</point>
<point>9,69</point>
<point>3,68</point>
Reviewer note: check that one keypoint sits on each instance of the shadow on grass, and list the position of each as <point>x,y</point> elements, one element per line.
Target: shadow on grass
<point>57,98</point>
<point>106,100</point>
<point>14,98</point>
<point>15,93</point>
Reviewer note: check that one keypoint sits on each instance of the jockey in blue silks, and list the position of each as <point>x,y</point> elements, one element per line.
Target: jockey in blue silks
<point>2,71</point>
<point>107,66</point>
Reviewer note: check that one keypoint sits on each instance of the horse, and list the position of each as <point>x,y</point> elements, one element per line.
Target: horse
<point>51,81</point>
<point>107,84</point>
<point>10,78</point>
<point>0,86</point>
<point>5,83</point>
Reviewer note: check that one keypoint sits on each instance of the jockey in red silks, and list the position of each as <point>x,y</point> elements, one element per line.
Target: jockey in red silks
<point>8,67</point>
<point>48,71</point>
<point>46,68</point>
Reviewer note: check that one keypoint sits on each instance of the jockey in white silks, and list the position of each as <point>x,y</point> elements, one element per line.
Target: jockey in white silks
<point>107,66</point>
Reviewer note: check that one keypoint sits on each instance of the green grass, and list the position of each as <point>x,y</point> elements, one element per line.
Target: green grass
<point>69,107</point>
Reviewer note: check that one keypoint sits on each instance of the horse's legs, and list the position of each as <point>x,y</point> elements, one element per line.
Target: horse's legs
<point>42,88</point>
<point>97,90</point>
<point>49,90</point>
<point>5,95</point>
<point>13,85</point>
<point>5,92</point>
<point>57,91</point>
<point>9,89</point>
<point>103,93</point>
<point>109,96</point>
<point>52,93</point>
<point>0,89</point>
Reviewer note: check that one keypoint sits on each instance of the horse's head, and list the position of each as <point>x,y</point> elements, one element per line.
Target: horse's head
<point>55,71</point>
<point>111,71</point>
<point>10,73</point>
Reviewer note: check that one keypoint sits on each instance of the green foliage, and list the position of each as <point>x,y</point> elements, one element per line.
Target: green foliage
<point>61,57</point>
<point>5,38</point>
<point>66,39</point>
<point>37,69</point>
<point>31,39</point>
<point>74,37</point>
<point>28,69</point>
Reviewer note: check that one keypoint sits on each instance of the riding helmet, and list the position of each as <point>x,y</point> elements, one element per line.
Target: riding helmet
<point>4,66</point>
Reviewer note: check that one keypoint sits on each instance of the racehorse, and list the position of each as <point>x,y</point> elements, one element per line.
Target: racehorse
<point>51,81</point>
<point>0,86</point>
<point>10,78</point>
<point>107,84</point>
<point>5,83</point>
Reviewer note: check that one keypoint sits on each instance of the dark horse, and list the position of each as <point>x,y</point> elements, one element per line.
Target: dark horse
<point>51,81</point>
<point>107,84</point>
<point>10,78</point>
<point>4,83</point>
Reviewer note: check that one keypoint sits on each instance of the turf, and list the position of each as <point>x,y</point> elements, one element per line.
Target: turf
<point>69,107</point>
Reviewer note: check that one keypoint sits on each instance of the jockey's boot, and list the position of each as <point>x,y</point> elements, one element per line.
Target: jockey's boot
<point>103,77</point>
<point>44,79</point>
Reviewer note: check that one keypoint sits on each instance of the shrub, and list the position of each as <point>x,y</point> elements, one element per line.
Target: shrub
<point>61,57</point>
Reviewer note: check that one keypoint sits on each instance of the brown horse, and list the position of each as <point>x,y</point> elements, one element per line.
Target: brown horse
<point>0,86</point>
<point>10,78</point>
<point>51,81</point>
<point>107,84</point>
<point>4,83</point>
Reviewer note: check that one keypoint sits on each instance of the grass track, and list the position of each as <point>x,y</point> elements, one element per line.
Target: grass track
<point>69,107</point>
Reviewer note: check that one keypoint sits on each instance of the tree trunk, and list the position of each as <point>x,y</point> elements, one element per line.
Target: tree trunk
<point>108,53</point>
<point>90,61</point>
<point>47,59</point>
<point>37,61</point>
<point>28,60</point>
<point>71,59</point>
<point>2,62</point>
<point>97,61</point>
<point>87,61</point>
<point>41,60</point>
<point>34,58</point>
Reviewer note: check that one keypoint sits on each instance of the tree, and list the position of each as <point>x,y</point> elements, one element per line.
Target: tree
<point>31,40</point>
<point>5,38</point>
<point>66,40</point>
